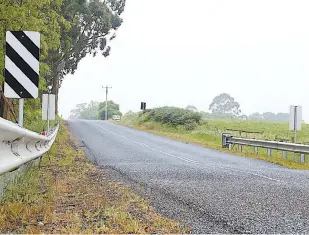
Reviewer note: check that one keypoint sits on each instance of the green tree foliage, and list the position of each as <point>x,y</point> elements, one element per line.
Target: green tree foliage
<point>224,104</point>
<point>70,29</point>
<point>129,113</point>
<point>243,117</point>
<point>86,111</point>
<point>42,16</point>
<point>112,109</point>
<point>223,116</point>
<point>192,108</point>
<point>255,116</point>
<point>269,116</point>
<point>95,110</point>
<point>174,116</point>
<point>206,115</point>
<point>283,117</point>
<point>92,25</point>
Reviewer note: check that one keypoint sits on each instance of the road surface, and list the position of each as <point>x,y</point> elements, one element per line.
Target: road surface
<point>210,191</point>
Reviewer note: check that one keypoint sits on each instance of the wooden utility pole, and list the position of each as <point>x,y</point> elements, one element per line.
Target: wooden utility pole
<point>106,89</point>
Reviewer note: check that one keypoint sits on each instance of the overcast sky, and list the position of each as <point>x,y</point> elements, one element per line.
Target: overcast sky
<point>177,52</point>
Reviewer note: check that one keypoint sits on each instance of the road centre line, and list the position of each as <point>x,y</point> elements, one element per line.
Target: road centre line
<point>187,159</point>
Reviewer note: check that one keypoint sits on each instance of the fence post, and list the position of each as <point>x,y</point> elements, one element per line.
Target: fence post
<point>302,158</point>
<point>239,148</point>
<point>256,150</point>
<point>269,152</point>
<point>284,154</point>
<point>230,146</point>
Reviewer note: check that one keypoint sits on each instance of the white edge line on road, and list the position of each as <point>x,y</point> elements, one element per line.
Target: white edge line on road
<point>186,159</point>
<point>251,173</point>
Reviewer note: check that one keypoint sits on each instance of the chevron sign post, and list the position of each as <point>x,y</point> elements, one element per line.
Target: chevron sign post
<point>22,66</point>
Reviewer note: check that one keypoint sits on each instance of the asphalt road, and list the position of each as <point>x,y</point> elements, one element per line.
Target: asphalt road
<point>210,191</point>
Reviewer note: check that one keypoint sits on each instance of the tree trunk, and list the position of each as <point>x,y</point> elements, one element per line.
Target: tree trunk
<point>4,107</point>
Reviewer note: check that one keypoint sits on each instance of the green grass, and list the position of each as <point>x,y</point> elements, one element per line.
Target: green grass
<point>39,126</point>
<point>209,134</point>
<point>271,130</point>
<point>66,193</point>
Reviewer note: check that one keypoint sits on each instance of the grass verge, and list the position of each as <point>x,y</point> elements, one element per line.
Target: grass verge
<point>205,136</point>
<point>67,194</point>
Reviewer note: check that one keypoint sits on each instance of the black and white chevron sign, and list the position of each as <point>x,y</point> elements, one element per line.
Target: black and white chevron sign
<point>22,64</point>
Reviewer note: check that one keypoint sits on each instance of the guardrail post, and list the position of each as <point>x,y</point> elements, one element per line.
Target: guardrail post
<point>225,139</point>
<point>302,158</point>
<point>269,152</point>
<point>230,146</point>
<point>284,154</point>
<point>256,150</point>
<point>239,148</point>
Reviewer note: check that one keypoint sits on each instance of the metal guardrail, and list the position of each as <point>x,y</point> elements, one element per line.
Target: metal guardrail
<point>19,145</point>
<point>228,141</point>
<point>245,131</point>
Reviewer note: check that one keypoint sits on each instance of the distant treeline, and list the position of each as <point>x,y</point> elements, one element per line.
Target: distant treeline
<point>224,106</point>
<point>95,110</point>
<point>267,116</point>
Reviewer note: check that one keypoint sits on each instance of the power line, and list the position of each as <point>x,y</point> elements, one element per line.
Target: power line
<point>106,90</point>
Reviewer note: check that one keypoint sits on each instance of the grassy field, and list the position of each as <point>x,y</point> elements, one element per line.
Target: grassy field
<point>68,194</point>
<point>209,133</point>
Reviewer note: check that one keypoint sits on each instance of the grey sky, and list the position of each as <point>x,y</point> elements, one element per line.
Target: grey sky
<point>170,52</point>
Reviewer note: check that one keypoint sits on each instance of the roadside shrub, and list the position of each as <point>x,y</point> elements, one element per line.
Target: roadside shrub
<point>189,126</point>
<point>175,116</point>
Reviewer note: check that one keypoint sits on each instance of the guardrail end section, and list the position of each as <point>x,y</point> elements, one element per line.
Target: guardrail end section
<point>225,140</point>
